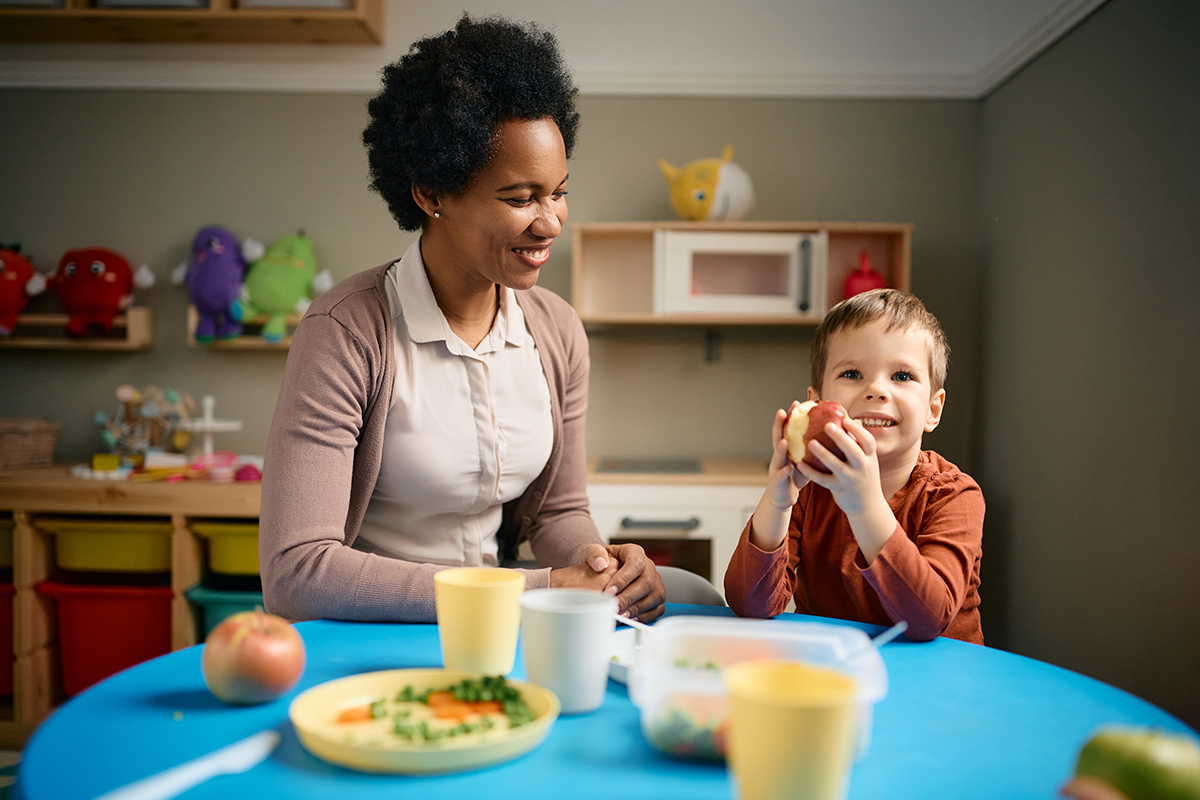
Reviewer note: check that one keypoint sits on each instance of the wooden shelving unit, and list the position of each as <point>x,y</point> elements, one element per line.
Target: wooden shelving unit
<point>33,493</point>
<point>613,268</point>
<point>224,21</point>
<point>250,339</point>
<point>132,330</point>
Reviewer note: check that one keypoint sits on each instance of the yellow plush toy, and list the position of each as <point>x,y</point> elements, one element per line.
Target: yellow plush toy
<point>709,189</point>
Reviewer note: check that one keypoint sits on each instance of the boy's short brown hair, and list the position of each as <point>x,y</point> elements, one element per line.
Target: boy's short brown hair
<point>901,310</point>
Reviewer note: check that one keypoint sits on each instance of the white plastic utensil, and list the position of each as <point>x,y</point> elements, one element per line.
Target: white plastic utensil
<point>633,623</point>
<point>237,757</point>
<point>891,633</point>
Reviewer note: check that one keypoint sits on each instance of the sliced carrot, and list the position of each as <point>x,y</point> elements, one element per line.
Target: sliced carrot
<point>436,699</point>
<point>356,714</point>
<point>488,707</point>
<point>453,710</point>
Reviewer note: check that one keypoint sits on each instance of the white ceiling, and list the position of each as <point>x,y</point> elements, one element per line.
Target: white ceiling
<point>731,48</point>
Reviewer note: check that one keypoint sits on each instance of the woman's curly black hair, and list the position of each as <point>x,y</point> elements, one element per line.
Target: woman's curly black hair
<point>433,123</point>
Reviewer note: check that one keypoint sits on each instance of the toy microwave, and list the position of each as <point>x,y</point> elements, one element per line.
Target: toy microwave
<point>751,273</point>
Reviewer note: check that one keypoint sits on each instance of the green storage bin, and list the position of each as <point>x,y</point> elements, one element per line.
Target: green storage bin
<point>213,605</point>
<point>88,544</point>
<point>232,546</point>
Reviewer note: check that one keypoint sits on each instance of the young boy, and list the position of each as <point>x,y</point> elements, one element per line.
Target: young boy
<point>894,532</point>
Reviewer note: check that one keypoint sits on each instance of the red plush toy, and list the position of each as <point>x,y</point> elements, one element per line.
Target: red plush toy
<point>18,282</point>
<point>94,284</point>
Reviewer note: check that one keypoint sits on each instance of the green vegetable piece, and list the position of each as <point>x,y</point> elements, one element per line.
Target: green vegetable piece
<point>378,709</point>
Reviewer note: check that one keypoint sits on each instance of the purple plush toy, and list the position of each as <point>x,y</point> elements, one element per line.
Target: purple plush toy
<point>214,279</point>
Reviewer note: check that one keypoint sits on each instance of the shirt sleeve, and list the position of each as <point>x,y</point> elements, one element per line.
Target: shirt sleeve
<point>924,578</point>
<point>760,584</point>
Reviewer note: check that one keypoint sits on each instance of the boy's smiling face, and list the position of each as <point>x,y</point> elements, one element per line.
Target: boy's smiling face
<point>882,379</point>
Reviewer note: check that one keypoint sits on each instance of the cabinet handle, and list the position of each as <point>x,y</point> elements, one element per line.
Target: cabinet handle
<point>681,524</point>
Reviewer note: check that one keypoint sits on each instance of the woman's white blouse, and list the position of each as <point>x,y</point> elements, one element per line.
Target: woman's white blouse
<point>468,430</point>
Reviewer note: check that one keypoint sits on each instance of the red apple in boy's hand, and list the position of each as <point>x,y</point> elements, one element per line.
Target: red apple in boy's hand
<point>807,422</point>
<point>252,657</point>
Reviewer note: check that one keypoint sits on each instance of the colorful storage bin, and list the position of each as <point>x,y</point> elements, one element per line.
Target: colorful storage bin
<point>213,605</point>
<point>104,629</point>
<point>232,546</point>
<point>6,638</point>
<point>88,544</point>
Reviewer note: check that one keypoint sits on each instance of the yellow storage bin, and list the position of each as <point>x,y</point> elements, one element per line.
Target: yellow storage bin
<point>110,545</point>
<point>6,537</point>
<point>232,546</point>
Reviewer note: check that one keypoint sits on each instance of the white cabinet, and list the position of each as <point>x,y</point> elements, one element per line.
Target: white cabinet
<point>694,526</point>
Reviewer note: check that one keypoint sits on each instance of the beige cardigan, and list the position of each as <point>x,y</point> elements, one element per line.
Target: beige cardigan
<point>326,443</point>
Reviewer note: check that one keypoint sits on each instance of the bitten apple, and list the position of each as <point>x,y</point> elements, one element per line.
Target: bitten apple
<point>252,657</point>
<point>807,422</point>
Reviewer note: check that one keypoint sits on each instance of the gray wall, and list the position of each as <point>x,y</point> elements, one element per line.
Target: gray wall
<point>1088,452</point>
<point>142,171</point>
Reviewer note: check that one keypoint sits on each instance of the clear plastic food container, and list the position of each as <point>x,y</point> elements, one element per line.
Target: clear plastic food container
<point>676,679</point>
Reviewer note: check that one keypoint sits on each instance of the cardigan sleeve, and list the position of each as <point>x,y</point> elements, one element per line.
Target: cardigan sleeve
<point>923,577</point>
<point>315,453</point>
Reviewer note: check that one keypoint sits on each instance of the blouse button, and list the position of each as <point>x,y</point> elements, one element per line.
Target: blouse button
<point>537,495</point>
<point>526,520</point>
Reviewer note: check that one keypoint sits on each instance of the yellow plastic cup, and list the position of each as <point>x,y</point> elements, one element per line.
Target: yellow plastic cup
<point>479,615</point>
<point>791,730</point>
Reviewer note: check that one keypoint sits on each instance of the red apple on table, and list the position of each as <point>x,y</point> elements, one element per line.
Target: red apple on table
<point>252,657</point>
<point>806,422</point>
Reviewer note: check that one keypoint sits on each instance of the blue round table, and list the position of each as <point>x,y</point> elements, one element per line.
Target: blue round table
<point>959,720</point>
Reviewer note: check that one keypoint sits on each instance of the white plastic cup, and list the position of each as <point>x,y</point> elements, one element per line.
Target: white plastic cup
<point>566,639</point>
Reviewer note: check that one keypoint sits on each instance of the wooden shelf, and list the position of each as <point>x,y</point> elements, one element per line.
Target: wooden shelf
<point>714,472</point>
<point>250,338</point>
<point>132,330</point>
<point>612,268</point>
<point>221,21</point>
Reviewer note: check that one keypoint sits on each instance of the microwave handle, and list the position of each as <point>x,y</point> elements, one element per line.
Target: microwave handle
<point>805,274</point>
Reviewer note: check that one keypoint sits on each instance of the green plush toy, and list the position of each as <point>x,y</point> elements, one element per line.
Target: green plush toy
<point>283,281</point>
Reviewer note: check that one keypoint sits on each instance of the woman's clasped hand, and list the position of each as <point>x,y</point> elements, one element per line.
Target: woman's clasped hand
<point>623,570</point>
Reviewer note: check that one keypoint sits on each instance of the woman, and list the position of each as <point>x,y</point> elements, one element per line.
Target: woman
<point>432,410</point>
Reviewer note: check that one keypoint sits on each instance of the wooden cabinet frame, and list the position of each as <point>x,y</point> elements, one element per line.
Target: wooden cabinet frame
<point>222,21</point>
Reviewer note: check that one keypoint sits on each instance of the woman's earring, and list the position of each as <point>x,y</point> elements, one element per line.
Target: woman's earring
<point>437,214</point>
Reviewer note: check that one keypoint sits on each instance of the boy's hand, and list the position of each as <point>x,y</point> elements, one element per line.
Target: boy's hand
<point>783,480</point>
<point>769,526</point>
<point>855,484</point>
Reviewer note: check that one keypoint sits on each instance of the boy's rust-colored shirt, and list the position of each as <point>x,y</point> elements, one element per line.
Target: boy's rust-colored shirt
<point>927,573</point>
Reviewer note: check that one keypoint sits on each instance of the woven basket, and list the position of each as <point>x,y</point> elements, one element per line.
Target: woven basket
<point>27,443</point>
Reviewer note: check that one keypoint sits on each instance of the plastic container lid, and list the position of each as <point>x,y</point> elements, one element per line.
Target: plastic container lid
<point>676,680</point>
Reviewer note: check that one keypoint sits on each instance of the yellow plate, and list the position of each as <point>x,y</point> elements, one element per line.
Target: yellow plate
<point>313,711</point>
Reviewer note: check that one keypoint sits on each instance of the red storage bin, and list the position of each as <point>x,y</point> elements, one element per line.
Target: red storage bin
<point>105,629</point>
<point>6,638</point>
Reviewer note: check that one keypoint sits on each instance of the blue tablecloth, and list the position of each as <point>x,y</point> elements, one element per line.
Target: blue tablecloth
<point>959,721</point>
